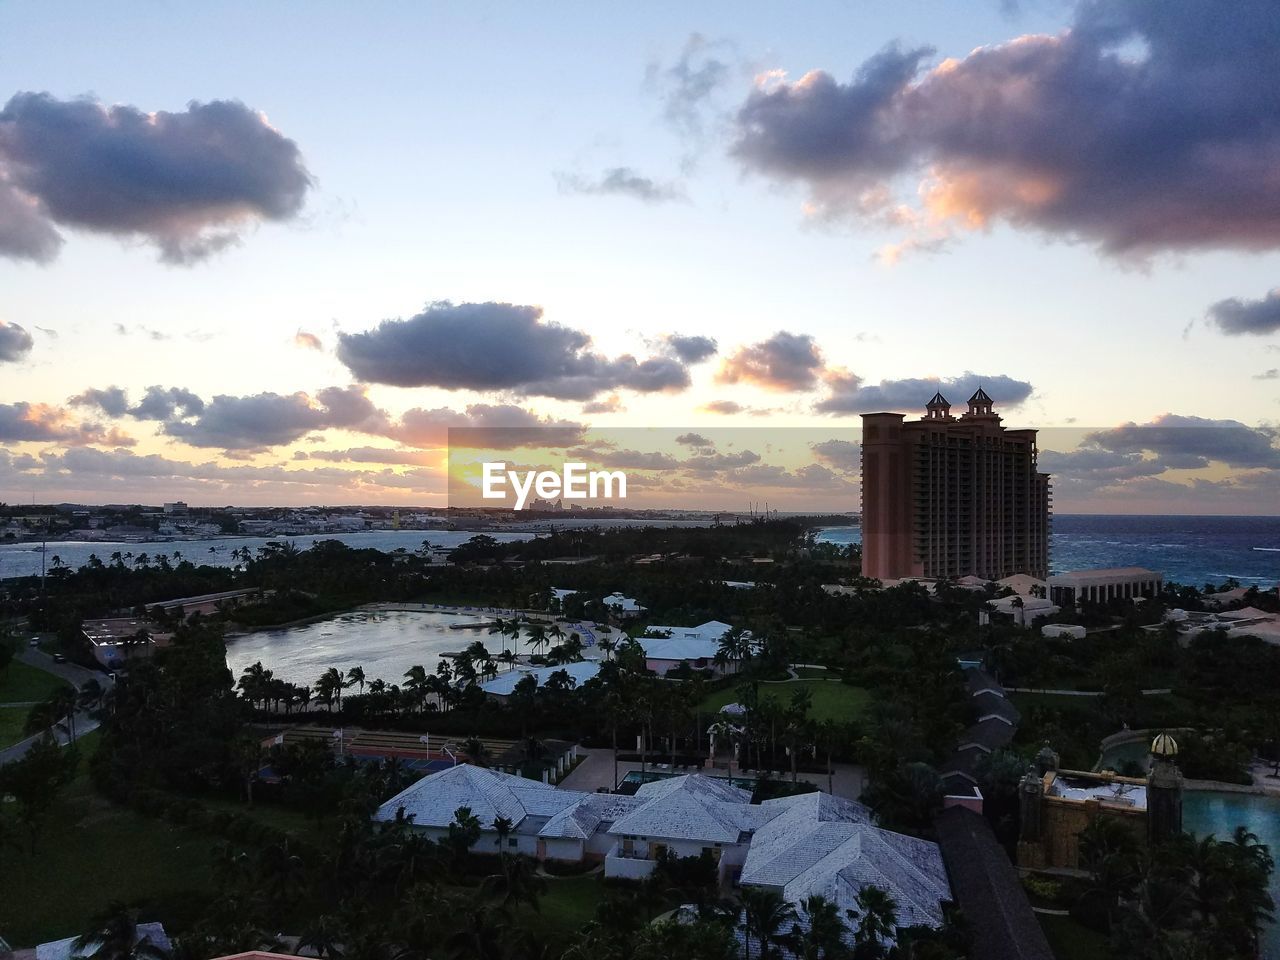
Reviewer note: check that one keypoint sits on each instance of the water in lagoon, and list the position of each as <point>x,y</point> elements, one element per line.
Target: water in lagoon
<point>385,645</point>
<point>1209,812</point>
<point>1189,550</point>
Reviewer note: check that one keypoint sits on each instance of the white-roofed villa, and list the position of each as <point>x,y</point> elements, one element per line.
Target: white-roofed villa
<point>667,648</point>
<point>802,845</point>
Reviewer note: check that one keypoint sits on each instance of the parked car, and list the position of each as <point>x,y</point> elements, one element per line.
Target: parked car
<point>59,658</point>
<point>34,641</point>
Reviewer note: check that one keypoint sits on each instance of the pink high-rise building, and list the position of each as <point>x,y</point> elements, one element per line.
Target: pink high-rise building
<point>947,496</point>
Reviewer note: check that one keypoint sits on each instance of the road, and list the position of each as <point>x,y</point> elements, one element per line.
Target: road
<point>74,674</point>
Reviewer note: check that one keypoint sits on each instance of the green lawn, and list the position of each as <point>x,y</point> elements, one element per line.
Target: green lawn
<point>1070,941</point>
<point>832,700</point>
<point>92,853</point>
<point>22,683</point>
<point>569,904</point>
<point>12,720</point>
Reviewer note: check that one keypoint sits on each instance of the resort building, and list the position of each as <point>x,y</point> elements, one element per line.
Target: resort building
<point>666,648</point>
<point>949,497</point>
<point>1101,586</point>
<point>116,641</point>
<point>800,845</point>
<point>504,684</point>
<point>623,607</point>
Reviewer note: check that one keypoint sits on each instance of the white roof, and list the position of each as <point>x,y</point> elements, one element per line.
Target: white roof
<point>489,794</point>
<point>1102,576</point>
<point>692,807</point>
<point>817,844</point>
<point>595,811</point>
<point>153,933</point>
<point>505,683</point>
<point>1246,613</point>
<point>619,602</point>
<point>684,643</point>
<point>560,593</point>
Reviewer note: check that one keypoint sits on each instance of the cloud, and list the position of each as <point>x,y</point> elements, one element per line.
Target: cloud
<point>694,440</point>
<point>15,341</point>
<point>484,426</point>
<point>844,455</point>
<point>725,408</point>
<point>1190,443</point>
<point>691,349</point>
<point>1140,129</point>
<point>372,455</point>
<point>189,182</point>
<point>1272,374</point>
<point>159,403</point>
<point>23,422</point>
<point>784,362</point>
<point>307,341</point>
<point>1235,317</point>
<point>264,420</point>
<point>610,404</point>
<point>706,461</point>
<point>847,392</point>
<point>498,346</point>
<point>624,459</point>
<point>112,401</point>
<point>623,182</point>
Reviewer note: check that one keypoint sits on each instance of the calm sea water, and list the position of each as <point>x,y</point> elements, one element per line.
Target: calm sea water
<point>1189,550</point>
<point>1192,550</point>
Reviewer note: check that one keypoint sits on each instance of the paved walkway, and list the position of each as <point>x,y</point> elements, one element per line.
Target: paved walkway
<point>74,674</point>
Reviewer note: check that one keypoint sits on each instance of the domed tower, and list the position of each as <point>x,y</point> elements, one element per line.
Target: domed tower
<point>938,408</point>
<point>1164,791</point>
<point>980,404</point>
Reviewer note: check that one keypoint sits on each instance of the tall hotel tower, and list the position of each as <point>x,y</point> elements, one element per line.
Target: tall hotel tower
<point>948,496</point>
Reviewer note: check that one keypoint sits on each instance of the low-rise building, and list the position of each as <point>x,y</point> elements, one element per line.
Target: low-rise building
<point>666,648</point>
<point>1103,585</point>
<point>504,684</point>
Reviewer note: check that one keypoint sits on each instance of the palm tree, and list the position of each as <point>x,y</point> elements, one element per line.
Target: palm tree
<point>876,916</point>
<point>476,752</point>
<point>766,913</point>
<point>822,935</point>
<point>356,676</point>
<point>114,936</point>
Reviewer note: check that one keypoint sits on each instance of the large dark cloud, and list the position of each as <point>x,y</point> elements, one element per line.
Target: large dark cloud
<point>498,346</point>
<point>23,422</point>
<point>188,182</point>
<point>844,455</point>
<point>15,341</point>
<point>1235,316</point>
<point>160,403</point>
<point>113,401</point>
<point>1146,126</point>
<point>849,394</point>
<point>784,362</point>
<point>1189,443</point>
<point>267,419</point>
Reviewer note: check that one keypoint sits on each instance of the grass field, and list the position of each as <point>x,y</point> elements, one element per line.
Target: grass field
<point>1070,941</point>
<point>832,700</point>
<point>92,853</point>
<point>569,904</point>
<point>12,720</point>
<point>22,683</point>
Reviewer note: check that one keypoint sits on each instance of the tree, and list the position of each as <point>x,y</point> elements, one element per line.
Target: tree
<point>464,831</point>
<point>355,676</point>
<point>35,781</point>
<point>876,919</point>
<point>766,914</point>
<point>819,933</point>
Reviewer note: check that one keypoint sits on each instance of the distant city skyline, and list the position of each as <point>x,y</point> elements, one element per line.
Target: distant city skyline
<point>276,253</point>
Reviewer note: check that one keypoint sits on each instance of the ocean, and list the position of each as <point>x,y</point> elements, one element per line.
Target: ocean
<point>1188,550</point>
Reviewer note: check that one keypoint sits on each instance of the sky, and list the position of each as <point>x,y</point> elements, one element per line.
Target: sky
<point>271,254</point>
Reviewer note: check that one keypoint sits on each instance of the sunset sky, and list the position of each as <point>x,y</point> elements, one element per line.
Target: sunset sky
<point>270,254</point>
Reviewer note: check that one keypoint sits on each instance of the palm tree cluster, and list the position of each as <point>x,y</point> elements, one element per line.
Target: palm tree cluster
<point>1186,898</point>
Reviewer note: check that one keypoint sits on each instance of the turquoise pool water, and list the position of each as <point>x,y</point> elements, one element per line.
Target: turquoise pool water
<point>1206,811</point>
